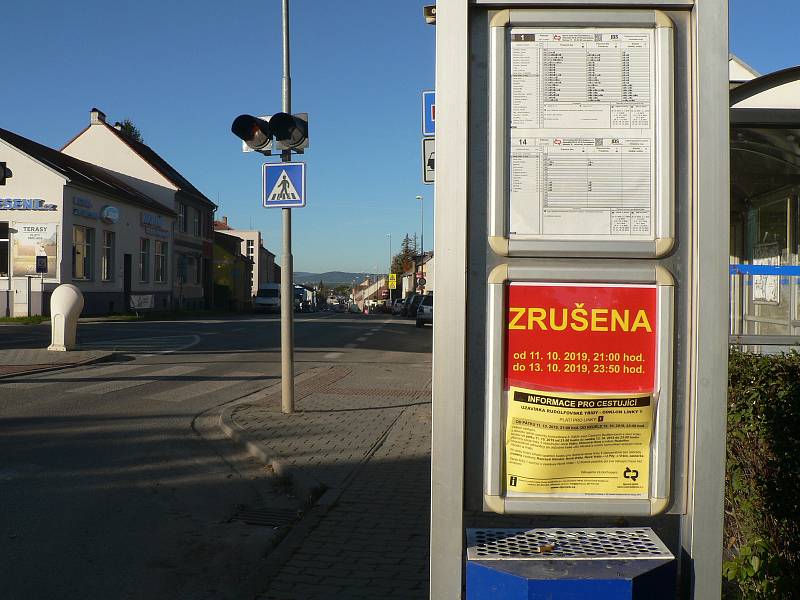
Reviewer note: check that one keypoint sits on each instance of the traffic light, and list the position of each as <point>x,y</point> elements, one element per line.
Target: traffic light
<point>280,131</point>
<point>4,173</point>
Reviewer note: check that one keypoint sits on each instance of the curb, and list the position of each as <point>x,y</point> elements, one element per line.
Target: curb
<point>80,363</point>
<point>304,486</point>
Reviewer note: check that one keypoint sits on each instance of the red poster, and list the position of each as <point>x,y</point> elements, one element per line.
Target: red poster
<point>585,338</point>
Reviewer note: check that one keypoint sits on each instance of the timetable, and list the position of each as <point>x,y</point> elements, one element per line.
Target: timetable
<point>582,134</point>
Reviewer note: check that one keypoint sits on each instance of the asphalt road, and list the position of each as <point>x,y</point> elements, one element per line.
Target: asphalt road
<point>115,481</point>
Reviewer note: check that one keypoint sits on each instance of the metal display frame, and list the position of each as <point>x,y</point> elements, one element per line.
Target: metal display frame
<point>499,152</point>
<point>554,271</point>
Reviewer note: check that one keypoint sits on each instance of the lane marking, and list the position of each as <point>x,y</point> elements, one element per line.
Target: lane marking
<point>209,384</point>
<point>332,355</point>
<point>361,339</point>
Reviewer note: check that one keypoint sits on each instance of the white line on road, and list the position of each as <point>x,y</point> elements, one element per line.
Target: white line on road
<point>332,355</point>
<point>208,384</point>
<point>361,339</point>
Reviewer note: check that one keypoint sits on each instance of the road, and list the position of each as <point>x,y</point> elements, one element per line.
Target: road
<point>115,481</point>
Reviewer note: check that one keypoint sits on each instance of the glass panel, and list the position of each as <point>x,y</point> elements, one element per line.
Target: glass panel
<point>3,231</point>
<point>3,258</point>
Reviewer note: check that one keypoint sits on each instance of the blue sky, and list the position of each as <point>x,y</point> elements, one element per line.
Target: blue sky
<point>182,70</point>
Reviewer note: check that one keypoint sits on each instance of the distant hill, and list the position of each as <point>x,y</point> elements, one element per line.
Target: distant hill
<point>329,278</point>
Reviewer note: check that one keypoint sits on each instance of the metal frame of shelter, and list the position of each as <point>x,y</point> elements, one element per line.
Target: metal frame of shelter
<point>693,521</point>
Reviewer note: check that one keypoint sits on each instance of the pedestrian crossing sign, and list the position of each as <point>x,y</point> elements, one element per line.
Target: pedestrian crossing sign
<point>284,185</point>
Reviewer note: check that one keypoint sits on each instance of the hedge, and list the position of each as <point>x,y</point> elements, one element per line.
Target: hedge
<point>762,480</point>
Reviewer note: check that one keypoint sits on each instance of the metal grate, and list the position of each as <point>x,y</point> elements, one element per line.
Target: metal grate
<point>565,544</point>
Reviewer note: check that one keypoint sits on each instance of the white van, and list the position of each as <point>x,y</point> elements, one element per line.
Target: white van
<point>268,298</point>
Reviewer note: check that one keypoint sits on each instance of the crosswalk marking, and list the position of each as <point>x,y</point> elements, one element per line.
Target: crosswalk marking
<point>114,385</point>
<point>68,377</point>
<point>144,345</point>
<point>210,384</point>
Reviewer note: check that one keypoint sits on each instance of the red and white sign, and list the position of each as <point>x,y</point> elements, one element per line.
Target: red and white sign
<point>585,338</point>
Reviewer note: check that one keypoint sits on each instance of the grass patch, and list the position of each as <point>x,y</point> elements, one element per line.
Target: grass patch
<point>34,320</point>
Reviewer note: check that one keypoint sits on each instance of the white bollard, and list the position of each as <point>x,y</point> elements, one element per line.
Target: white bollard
<point>66,305</point>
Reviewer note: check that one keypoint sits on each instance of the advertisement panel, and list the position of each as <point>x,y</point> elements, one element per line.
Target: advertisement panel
<point>32,240</point>
<point>581,370</point>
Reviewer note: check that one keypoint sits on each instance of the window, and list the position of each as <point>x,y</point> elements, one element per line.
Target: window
<point>160,268</point>
<point>182,217</point>
<point>4,249</point>
<point>82,242</point>
<point>107,268</point>
<point>144,260</point>
<point>250,248</point>
<point>198,271</point>
<point>196,222</point>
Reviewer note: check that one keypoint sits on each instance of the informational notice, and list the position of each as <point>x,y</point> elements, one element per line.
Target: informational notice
<point>582,134</point>
<point>581,364</point>
<point>571,443</point>
<point>767,288</point>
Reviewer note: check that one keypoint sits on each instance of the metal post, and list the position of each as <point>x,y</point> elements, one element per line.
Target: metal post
<point>287,272</point>
<point>389,272</point>
<point>422,225</point>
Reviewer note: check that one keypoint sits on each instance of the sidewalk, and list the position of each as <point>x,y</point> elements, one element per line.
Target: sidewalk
<point>20,362</point>
<point>362,433</point>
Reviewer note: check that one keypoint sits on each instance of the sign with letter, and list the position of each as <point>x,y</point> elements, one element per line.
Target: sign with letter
<point>284,185</point>
<point>429,113</point>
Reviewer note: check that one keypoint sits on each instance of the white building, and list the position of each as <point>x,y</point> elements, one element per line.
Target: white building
<point>82,225</point>
<point>253,248</point>
<point>142,168</point>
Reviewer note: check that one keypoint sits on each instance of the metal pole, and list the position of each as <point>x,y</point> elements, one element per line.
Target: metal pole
<point>287,272</point>
<point>422,225</point>
<point>389,272</point>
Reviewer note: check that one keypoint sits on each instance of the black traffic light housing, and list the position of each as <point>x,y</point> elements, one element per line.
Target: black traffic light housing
<point>280,131</point>
<point>5,173</point>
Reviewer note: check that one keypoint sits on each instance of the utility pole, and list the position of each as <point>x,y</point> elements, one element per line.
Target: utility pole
<point>287,272</point>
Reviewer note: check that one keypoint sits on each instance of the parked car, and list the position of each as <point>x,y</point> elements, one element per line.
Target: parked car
<point>407,305</point>
<point>425,311</point>
<point>397,307</point>
<point>414,305</point>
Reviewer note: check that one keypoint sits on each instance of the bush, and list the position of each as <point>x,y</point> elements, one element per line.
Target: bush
<point>762,481</point>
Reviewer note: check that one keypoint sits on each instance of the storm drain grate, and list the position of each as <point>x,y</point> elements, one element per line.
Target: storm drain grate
<point>565,544</point>
<point>265,517</point>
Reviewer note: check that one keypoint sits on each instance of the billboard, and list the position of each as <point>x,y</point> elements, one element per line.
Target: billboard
<point>31,240</point>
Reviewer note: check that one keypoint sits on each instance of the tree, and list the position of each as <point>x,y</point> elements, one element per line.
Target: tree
<point>129,130</point>
<point>403,261</point>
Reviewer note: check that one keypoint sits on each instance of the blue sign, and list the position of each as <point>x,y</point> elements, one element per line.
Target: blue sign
<point>428,113</point>
<point>284,185</point>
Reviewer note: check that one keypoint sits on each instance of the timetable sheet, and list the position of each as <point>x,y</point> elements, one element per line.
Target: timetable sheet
<point>582,134</point>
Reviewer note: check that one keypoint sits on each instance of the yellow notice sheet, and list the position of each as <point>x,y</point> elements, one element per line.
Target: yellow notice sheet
<point>559,443</point>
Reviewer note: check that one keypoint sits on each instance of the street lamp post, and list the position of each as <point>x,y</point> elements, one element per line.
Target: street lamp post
<point>389,272</point>
<point>422,225</point>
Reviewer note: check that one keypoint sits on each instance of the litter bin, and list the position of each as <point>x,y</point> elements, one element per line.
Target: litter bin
<point>569,564</point>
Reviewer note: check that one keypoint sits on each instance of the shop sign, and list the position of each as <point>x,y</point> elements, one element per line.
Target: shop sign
<point>25,204</point>
<point>580,375</point>
<point>109,214</point>
<point>82,207</point>
<point>32,240</point>
<point>154,225</point>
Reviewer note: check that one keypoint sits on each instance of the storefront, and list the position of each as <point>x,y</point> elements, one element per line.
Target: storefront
<point>63,220</point>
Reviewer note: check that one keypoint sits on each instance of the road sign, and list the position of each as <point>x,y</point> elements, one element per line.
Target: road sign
<point>428,160</point>
<point>41,264</point>
<point>392,277</point>
<point>429,113</point>
<point>392,284</point>
<point>284,185</point>
<point>421,282</point>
